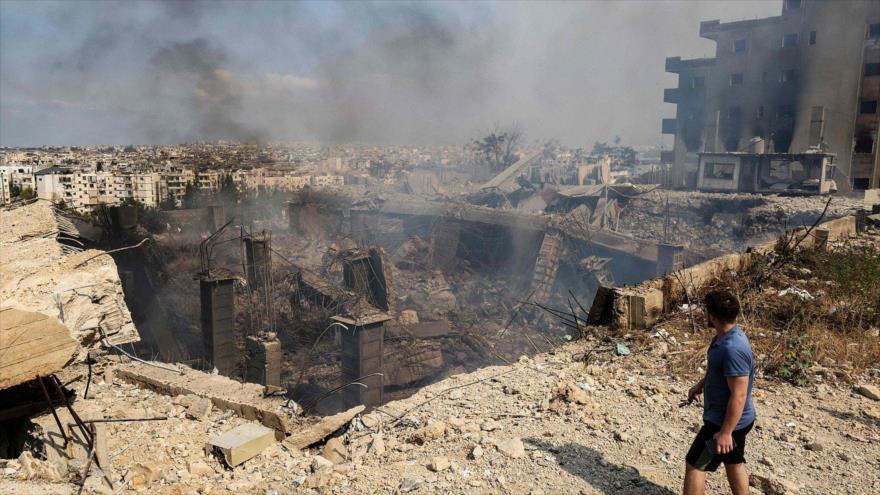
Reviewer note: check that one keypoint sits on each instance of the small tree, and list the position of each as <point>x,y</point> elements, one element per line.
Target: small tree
<point>192,197</point>
<point>229,193</point>
<point>26,194</point>
<point>169,203</point>
<point>497,149</point>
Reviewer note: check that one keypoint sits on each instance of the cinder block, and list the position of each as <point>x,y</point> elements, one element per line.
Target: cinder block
<point>645,307</point>
<point>242,443</point>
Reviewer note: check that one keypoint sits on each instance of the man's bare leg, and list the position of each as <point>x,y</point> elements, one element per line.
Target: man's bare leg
<point>694,481</point>
<point>738,478</point>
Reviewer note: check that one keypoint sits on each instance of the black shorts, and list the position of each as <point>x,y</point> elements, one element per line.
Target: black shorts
<point>707,432</point>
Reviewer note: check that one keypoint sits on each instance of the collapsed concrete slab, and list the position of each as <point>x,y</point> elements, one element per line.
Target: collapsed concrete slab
<point>320,430</point>
<point>45,270</point>
<point>244,399</point>
<point>31,344</point>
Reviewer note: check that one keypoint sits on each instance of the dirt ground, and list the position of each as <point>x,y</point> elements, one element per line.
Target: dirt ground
<point>548,424</point>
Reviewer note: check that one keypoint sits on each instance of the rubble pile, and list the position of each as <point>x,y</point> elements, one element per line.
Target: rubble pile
<point>45,270</point>
<point>716,223</point>
<point>548,424</point>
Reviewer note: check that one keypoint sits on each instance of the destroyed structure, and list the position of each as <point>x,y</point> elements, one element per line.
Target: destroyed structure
<point>808,79</point>
<point>439,325</point>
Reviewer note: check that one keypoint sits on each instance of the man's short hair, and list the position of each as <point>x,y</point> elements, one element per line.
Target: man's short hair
<point>723,305</point>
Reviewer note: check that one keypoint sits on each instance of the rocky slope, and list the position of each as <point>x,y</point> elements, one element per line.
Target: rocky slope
<point>549,424</point>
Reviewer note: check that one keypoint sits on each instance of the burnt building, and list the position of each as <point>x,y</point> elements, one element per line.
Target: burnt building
<point>808,79</point>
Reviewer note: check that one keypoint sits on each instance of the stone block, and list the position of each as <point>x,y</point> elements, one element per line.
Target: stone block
<point>242,443</point>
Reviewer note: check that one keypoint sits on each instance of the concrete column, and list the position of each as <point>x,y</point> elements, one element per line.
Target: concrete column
<point>218,323</point>
<point>820,239</point>
<point>670,257</point>
<point>362,354</point>
<point>546,266</point>
<point>263,360</point>
<point>367,274</point>
<point>444,244</point>
<point>293,211</point>
<point>216,217</point>
<point>257,258</point>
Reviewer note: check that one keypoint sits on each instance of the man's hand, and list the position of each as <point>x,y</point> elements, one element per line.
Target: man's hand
<point>724,442</point>
<point>696,393</point>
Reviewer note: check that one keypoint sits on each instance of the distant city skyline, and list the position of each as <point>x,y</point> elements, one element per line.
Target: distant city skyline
<point>84,73</point>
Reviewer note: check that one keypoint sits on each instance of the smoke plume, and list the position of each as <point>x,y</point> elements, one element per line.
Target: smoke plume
<point>405,73</point>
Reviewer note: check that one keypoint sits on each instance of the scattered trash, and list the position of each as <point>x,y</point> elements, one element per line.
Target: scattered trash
<point>801,293</point>
<point>621,349</point>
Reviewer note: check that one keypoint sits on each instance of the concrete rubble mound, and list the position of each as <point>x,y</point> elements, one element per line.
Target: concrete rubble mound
<point>46,270</point>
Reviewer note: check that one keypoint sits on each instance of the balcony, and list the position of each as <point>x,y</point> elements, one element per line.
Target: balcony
<point>673,64</point>
<point>670,126</point>
<point>670,95</point>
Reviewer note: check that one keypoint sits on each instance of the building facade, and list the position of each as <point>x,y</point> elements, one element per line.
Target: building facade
<point>141,187</point>
<point>15,177</point>
<point>806,79</point>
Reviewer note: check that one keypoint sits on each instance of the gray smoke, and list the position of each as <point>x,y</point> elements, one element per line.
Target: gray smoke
<point>408,73</point>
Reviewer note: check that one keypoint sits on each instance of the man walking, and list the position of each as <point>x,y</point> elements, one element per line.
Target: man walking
<point>728,412</point>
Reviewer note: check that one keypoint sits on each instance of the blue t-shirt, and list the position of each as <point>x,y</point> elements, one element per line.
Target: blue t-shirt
<point>729,355</point>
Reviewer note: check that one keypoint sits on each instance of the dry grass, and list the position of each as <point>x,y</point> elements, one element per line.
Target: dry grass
<point>826,330</point>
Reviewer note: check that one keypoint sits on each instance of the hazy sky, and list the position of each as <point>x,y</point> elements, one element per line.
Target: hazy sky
<point>143,72</point>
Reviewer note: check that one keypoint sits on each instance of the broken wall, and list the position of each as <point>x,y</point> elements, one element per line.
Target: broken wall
<point>81,288</point>
<point>638,306</point>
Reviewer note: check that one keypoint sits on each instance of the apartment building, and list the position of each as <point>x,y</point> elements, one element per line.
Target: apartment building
<point>252,178</point>
<point>56,184</point>
<point>173,181</point>
<point>5,192</point>
<point>807,80</point>
<point>141,187</point>
<point>209,179</point>
<point>15,176</point>
<point>287,182</point>
<point>327,180</point>
<point>83,190</point>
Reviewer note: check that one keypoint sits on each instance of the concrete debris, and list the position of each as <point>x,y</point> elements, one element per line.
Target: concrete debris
<point>142,474</point>
<point>476,452</point>
<point>493,439</point>
<point>80,288</point>
<point>439,464</point>
<point>409,485</point>
<point>322,429</point>
<point>334,451</point>
<point>320,463</point>
<point>33,469</point>
<point>408,317</point>
<point>512,447</point>
<point>242,443</point>
<point>571,392</point>
<point>432,431</point>
<point>772,485</point>
<point>198,408</point>
<point>869,391</point>
<point>377,444</point>
<point>243,399</point>
<point>199,468</point>
<point>32,344</point>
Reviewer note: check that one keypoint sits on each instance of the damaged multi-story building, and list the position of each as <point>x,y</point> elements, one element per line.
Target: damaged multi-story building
<point>807,80</point>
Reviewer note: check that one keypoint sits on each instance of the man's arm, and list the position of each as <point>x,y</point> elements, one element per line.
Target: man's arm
<point>739,389</point>
<point>696,392</point>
